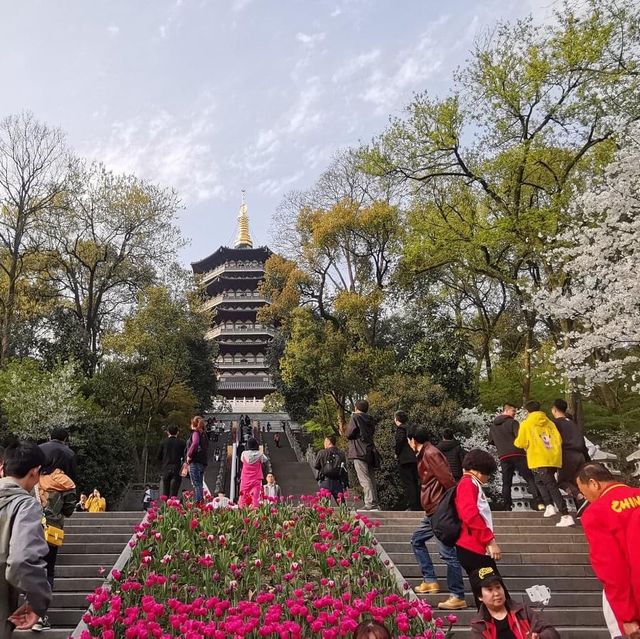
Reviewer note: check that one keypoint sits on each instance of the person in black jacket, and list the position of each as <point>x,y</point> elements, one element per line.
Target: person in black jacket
<point>58,455</point>
<point>453,451</point>
<point>407,462</point>
<point>170,457</point>
<point>362,451</point>
<point>574,449</point>
<point>502,434</point>
<point>331,465</point>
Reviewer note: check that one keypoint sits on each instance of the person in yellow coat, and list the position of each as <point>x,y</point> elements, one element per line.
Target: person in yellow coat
<point>95,502</point>
<point>540,438</point>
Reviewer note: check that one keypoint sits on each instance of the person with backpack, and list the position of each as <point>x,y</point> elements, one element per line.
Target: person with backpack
<point>574,448</point>
<point>170,457</point>
<point>407,462</point>
<point>540,438</point>
<point>331,466</point>
<point>501,617</point>
<point>476,545</point>
<point>22,545</point>
<point>196,456</point>
<point>502,434</point>
<point>435,479</point>
<point>453,451</point>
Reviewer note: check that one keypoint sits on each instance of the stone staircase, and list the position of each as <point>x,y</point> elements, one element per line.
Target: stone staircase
<point>294,477</point>
<point>93,541</point>
<point>534,552</point>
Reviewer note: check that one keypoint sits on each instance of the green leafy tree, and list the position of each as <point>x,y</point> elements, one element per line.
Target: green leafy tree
<point>533,114</point>
<point>427,405</point>
<point>34,399</point>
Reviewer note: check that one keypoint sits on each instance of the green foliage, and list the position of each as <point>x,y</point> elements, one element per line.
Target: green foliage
<point>427,404</point>
<point>34,399</point>
<point>274,403</point>
<point>105,459</point>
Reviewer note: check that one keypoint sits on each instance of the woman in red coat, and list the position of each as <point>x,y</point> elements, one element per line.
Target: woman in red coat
<point>476,546</point>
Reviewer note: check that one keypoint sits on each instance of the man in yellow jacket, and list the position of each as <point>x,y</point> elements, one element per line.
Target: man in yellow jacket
<point>540,438</point>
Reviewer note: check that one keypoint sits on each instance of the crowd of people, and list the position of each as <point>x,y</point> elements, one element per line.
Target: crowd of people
<point>447,484</point>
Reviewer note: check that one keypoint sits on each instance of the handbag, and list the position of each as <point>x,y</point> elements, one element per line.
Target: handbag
<point>53,535</point>
<point>184,470</point>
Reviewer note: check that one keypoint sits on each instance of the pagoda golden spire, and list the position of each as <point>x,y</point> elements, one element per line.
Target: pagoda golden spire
<point>243,238</point>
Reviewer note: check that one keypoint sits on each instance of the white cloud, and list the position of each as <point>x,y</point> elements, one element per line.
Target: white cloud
<point>173,150</point>
<point>303,116</point>
<point>275,186</point>
<point>336,12</point>
<point>113,30</point>
<point>240,5</point>
<point>310,39</point>
<point>354,65</point>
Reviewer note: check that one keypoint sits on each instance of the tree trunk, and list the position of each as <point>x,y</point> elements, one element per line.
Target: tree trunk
<point>526,364</point>
<point>341,417</point>
<point>486,355</point>
<point>9,309</point>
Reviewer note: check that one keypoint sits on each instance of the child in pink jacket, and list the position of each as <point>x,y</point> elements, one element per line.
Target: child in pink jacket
<point>251,476</point>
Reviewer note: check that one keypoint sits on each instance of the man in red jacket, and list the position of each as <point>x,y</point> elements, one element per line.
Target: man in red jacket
<point>435,478</point>
<point>611,524</point>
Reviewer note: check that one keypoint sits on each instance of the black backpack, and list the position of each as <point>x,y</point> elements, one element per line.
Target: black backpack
<point>445,520</point>
<point>332,467</point>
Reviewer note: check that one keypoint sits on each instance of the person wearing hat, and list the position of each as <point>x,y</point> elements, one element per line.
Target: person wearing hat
<point>502,618</point>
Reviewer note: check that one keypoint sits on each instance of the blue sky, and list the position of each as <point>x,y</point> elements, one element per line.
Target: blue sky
<point>213,96</point>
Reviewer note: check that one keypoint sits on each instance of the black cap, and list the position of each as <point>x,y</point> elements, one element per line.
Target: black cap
<point>484,577</point>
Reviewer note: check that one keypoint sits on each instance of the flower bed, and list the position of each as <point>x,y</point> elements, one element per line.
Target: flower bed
<point>288,571</point>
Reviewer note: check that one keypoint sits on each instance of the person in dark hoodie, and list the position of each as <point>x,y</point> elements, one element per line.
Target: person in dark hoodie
<point>574,450</point>
<point>453,451</point>
<point>407,462</point>
<point>362,452</point>
<point>502,618</point>
<point>502,434</point>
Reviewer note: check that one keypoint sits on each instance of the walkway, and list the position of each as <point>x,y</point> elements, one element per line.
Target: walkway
<point>294,478</point>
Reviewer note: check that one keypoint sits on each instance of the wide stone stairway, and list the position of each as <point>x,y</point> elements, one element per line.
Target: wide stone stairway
<point>294,478</point>
<point>535,552</point>
<point>93,543</point>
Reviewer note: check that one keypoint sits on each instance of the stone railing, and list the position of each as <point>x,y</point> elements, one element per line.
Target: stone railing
<point>293,442</point>
<point>226,267</point>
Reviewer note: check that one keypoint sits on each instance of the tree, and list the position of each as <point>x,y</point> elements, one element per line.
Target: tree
<point>35,400</point>
<point>146,381</point>
<point>34,166</point>
<point>427,405</point>
<point>534,115</point>
<point>598,300</point>
<point>113,236</point>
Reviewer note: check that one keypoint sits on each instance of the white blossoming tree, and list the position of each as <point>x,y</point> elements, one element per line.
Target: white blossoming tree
<point>598,300</point>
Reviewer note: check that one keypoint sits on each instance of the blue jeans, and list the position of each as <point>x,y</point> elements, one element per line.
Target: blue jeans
<point>196,475</point>
<point>419,539</point>
<point>334,486</point>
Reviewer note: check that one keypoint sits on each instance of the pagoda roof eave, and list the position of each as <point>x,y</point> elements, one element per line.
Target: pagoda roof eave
<point>228,253</point>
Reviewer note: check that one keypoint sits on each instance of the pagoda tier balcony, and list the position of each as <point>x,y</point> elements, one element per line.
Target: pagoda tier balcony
<point>223,366</point>
<point>244,384</point>
<point>223,331</point>
<point>232,268</point>
<point>236,297</point>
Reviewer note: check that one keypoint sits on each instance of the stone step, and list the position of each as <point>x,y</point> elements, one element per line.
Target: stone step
<point>91,548</point>
<point>54,633</point>
<point>89,538</point>
<point>98,559</point>
<point>75,584</point>
<point>582,599</point>
<point>112,514</point>
<point>566,632</point>
<point>415,515</point>
<point>542,529</point>
<point>583,617</point>
<point>102,520</point>
<point>63,599</point>
<point>557,585</point>
<point>507,570</point>
<point>557,560</point>
<point>70,528</point>
<point>507,547</point>
<point>385,538</point>
<point>63,617</point>
<point>64,571</point>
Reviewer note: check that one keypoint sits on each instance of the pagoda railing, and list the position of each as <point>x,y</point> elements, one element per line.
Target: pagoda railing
<point>244,385</point>
<point>232,297</point>
<point>256,330</point>
<point>228,268</point>
<point>225,365</point>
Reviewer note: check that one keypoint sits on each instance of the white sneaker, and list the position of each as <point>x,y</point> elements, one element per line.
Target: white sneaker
<point>550,511</point>
<point>566,521</point>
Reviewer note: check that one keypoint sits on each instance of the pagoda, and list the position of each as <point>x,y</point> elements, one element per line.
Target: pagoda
<point>230,279</point>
